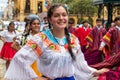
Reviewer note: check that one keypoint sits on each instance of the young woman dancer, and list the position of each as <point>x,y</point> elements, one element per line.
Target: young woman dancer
<point>7,36</point>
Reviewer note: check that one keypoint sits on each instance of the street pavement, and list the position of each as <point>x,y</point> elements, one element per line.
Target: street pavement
<point>3,69</point>
<point>2,65</point>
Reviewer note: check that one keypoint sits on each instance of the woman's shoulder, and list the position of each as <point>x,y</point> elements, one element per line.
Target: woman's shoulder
<point>4,32</point>
<point>43,33</point>
<point>41,36</point>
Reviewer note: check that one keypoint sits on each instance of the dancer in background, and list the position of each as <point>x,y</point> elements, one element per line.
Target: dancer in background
<point>81,34</point>
<point>111,46</point>
<point>93,55</point>
<point>34,27</point>
<point>7,36</point>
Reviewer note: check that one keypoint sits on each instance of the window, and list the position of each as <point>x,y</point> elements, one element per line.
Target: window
<point>39,7</point>
<point>27,6</point>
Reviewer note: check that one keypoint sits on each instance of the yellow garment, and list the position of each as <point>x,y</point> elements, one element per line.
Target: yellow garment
<point>35,68</point>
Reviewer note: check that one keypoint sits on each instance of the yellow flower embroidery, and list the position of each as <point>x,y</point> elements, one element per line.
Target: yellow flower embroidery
<point>43,37</point>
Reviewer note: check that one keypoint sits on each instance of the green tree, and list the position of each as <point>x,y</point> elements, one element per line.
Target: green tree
<point>61,1</point>
<point>83,7</point>
<point>80,8</point>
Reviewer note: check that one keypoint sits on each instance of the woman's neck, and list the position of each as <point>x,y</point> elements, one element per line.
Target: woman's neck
<point>10,31</point>
<point>58,33</point>
<point>33,33</point>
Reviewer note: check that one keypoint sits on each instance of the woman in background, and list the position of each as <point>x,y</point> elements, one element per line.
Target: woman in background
<point>33,27</point>
<point>7,36</point>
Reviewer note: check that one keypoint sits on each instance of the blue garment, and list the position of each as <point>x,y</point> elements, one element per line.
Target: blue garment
<point>66,78</point>
<point>52,38</point>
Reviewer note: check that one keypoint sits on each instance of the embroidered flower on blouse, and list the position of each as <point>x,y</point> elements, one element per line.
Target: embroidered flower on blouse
<point>43,37</point>
<point>52,47</point>
<point>34,46</point>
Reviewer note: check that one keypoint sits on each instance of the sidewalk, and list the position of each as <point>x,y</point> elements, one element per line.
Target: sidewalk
<point>2,69</point>
<point>2,65</point>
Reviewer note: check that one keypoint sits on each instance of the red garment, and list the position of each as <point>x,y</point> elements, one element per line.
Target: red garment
<point>92,54</point>
<point>112,41</point>
<point>81,34</point>
<point>7,51</point>
<point>94,37</point>
<point>71,29</point>
<point>112,47</point>
<point>109,63</point>
<point>111,75</point>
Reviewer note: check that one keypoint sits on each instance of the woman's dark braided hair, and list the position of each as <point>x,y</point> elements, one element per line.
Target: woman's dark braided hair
<point>49,15</point>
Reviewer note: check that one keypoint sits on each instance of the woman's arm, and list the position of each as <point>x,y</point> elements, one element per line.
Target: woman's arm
<point>20,68</point>
<point>101,46</point>
<point>2,35</point>
<point>3,39</point>
<point>82,66</point>
<point>98,72</point>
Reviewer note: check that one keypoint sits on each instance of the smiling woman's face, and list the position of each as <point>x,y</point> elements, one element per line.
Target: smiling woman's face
<point>59,18</point>
<point>35,26</point>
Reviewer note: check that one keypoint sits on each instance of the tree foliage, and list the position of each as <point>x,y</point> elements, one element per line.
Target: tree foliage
<point>61,1</point>
<point>83,7</point>
<point>79,7</point>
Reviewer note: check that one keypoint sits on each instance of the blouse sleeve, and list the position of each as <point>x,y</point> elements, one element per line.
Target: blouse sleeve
<point>20,68</point>
<point>3,33</point>
<point>81,66</point>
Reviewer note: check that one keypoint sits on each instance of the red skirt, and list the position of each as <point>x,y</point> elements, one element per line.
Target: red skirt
<point>7,52</point>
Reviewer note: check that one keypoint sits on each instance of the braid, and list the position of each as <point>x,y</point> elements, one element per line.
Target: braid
<point>49,25</point>
<point>69,41</point>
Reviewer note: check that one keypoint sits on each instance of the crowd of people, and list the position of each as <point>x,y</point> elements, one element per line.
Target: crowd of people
<point>61,51</point>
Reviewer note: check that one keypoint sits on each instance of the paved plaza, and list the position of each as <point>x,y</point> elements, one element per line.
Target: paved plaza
<point>2,65</point>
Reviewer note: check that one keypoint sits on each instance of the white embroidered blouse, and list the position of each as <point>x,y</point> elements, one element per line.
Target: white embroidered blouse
<point>54,60</point>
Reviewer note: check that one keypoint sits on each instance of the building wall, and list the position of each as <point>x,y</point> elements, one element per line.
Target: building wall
<point>20,4</point>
